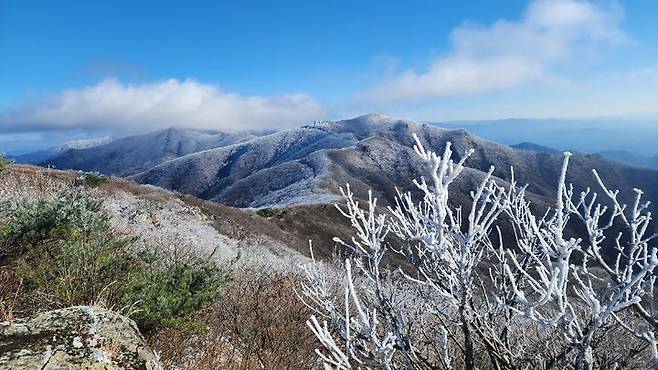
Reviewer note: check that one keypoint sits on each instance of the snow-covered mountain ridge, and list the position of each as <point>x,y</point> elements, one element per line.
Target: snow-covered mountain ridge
<point>133,154</point>
<point>44,155</point>
<point>307,165</point>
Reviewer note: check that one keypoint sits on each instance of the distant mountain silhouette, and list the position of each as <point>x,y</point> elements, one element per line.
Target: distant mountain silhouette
<point>535,148</point>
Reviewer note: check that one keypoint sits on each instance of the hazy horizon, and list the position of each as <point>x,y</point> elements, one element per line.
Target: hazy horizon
<point>629,131</point>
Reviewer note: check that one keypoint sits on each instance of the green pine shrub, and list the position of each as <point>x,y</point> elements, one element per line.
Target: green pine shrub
<point>5,164</point>
<point>265,212</point>
<point>91,179</point>
<point>67,253</point>
<point>172,295</point>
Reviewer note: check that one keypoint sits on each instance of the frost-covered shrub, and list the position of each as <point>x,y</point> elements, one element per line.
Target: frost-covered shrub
<point>41,223</point>
<point>467,300</point>
<point>31,183</point>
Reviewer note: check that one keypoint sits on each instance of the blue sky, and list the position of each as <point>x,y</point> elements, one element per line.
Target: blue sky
<point>253,47</point>
<point>128,66</point>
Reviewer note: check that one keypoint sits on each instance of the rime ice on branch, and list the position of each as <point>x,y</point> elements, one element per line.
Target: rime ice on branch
<point>485,303</point>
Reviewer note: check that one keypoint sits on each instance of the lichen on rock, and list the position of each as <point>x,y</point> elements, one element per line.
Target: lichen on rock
<point>81,337</point>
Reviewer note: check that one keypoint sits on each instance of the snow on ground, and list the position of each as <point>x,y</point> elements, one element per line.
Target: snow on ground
<point>167,223</point>
<point>159,219</point>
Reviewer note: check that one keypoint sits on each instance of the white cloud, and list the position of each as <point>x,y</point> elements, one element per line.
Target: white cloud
<point>131,108</point>
<point>506,54</point>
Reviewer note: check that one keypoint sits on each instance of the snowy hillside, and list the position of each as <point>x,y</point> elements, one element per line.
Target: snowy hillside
<point>172,223</point>
<point>43,155</point>
<point>133,154</point>
<point>276,169</point>
<point>82,144</point>
<point>309,164</point>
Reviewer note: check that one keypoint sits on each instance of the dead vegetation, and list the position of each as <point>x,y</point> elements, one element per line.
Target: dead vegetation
<point>258,323</point>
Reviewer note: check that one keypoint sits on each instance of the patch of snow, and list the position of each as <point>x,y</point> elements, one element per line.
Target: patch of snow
<point>81,144</point>
<point>77,342</point>
<point>48,354</point>
<point>101,356</point>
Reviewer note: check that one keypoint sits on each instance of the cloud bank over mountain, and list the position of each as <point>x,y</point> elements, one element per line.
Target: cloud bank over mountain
<point>507,53</point>
<point>550,59</point>
<point>143,107</point>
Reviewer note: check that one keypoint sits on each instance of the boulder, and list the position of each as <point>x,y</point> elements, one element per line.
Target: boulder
<point>81,337</point>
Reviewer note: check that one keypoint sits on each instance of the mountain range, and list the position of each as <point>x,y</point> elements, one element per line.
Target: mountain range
<point>631,158</point>
<point>629,140</point>
<point>620,156</point>
<point>637,134</point>
<point>307,165</point>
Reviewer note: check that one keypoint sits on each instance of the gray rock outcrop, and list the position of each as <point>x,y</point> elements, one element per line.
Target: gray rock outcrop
<point>81,337</point>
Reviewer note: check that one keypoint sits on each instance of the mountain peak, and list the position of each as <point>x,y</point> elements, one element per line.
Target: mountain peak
<point>535,148</point>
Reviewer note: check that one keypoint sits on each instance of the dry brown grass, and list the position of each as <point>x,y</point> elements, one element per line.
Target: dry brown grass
<point>49,172</point>
<point>117,184</point>
<point>10,294</point>
<point>258,323</point>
